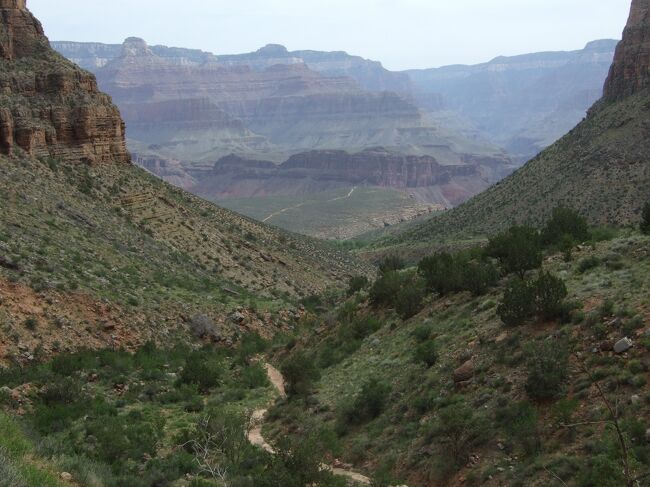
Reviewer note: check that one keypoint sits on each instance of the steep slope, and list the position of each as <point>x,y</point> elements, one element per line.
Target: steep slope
<point>600,168</point>
<point>95,252</point>
<point>523,103</point>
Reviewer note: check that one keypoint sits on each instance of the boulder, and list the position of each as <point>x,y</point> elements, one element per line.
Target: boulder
<point>465,372</point>
<point>623,345</point>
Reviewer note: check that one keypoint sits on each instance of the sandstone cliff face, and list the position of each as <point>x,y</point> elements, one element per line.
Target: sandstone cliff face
<point>49,107</point>
<point>630,71</point>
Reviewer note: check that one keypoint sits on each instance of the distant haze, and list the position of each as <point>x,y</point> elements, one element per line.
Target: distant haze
<point>401,33</point>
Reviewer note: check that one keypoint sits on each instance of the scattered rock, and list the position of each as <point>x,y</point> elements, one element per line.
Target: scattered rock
<point>623,345</point>
<point>66,476</point>
<point>238,317</point>
<point>465,372</point>
<point>647,435</point>
<point>635,399</point>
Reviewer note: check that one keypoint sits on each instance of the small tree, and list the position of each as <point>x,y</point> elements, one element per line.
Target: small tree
<point>368,404</point>
<point>440,273</point>
<point>409,299</point>
<point>392,263</point>
<point>645,219</point>
<point>550,292</point>
<point>565,223</point>
<point>548,369</point>
<point>479,276</point>
<point>299,373</point>
<point>518,250</point>
<point>518,303</point>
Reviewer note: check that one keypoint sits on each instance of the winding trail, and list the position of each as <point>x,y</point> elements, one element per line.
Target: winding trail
<point>284,210</point>
<point>257,419</point>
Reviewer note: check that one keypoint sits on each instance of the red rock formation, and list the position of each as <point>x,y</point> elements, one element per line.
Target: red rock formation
<point>630,72</point>
<point>50,107</point>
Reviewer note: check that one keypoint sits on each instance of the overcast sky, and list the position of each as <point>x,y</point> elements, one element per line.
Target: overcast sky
<point>400,33</point>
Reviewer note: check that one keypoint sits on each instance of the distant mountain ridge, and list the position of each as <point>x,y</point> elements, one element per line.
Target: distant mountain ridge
<point>523,103</point>
<point>601,167</point>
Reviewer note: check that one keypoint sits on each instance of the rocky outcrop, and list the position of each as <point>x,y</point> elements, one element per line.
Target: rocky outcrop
<point>50,107</point>
<point>630,71</point>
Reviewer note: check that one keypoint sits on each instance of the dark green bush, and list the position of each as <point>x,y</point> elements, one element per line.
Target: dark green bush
<point>565,225</point>
<point>446,273</point>
<point>550,292</point>
<point>518,250</point>
<point>391,263</point>
<point>645,219</point>
<point>427,353</point>
<point>520,421</point>
<point>369,403</point>
<point>202,369</point>
<point>409,299</point>
<point>518,304</point>
<point>548,369</point>
<point>299,373</point>
<point>588,263</point>
<point>356,284</point>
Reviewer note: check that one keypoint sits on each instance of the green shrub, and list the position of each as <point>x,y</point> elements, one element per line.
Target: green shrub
<point>391,263</point>
<point>369,403</point>
<point>202,369</point>
<point>645,219</point>
<point>565,225</point>
<point>427,353</point>
<point>458,431</point>
<point>518,303</point>
<point>299,373</point>
<point>422,333</point>
<point>518,250</point>
<point>409,299</point>
<point>548,369</point>
<point>520,421</point>
<point>445,273</point>
<point>588,263</point>
<point>550,292</point>
<point>356,284</point>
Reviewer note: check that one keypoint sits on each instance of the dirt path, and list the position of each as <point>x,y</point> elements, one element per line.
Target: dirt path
<point>284,210</point>
<point>257,419</point>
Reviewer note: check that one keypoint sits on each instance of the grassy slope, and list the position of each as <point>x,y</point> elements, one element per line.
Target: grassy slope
<point>463,327</point>
<point>332,214</point>
<point>600,168</point>
<point>96,248</point>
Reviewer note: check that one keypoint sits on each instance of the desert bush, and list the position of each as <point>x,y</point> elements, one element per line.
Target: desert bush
<point>356,284</point>
<point>548,369</point>
<point>409,299</point>
<point>426,353</point>
<point>518,250</point>
<point>202,326</point>
<point>368,404</point>
<point>449,273</point>
<point>518,303</point>
<point>550,292</point>
<point>202,369</point>
<point>457,431</point>
<point>588,263</point>
<point>299,373</point>
<point>391,263</point>
<point>645,219</point>
<point>520,421</point>
<point>566,226</point>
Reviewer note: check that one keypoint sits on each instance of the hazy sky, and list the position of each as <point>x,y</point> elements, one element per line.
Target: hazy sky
<point>400,33</point>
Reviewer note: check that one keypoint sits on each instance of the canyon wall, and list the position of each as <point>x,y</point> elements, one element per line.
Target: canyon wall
<point>50,107</point>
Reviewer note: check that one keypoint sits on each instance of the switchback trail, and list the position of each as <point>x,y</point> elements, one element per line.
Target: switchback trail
<point>284,210</point>
<point>255,434</point>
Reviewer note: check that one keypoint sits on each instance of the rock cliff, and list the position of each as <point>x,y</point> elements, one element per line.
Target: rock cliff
<point>630,71</point>
<point>50,107</point>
